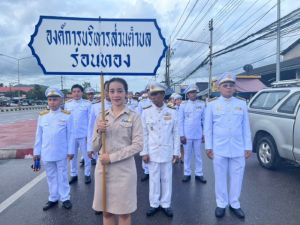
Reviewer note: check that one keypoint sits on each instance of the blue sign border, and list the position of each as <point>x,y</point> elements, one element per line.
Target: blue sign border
<point>96,19</point>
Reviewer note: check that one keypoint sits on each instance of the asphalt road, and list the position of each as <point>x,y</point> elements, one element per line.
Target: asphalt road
<point>15,116</point>
<point>268,198</point>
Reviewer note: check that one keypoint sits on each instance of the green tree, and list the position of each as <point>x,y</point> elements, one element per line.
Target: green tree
<point>86,84</point>
<point>37,93</point>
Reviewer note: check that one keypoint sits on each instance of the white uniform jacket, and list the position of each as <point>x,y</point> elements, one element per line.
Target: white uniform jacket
<point>161,133</point>
<point>191,118</point>
<point>80,110</point>
<point>54,135</point>
<point>226,127</point>
<point>144,103</point>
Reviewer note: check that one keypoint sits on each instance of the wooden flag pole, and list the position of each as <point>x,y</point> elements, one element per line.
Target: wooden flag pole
<point>103,144</point>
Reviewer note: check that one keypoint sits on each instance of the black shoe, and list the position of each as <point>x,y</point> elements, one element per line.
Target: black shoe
<point>87,179</point>
<point>168,212</point>
<point>93,162</point>
<point>98,212</point>
<point>67,204</point>
<point>73,179</point>
<point>49,205</point>
<point>145,177</point>
<point>81,162</point>
<point>238,212</point>
<point>152,211</point>
<point>220,212</point>
<point>200,179</point>
<point>186,178</point>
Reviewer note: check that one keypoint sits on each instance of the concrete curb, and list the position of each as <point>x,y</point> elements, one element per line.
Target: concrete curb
<point>21,108</point>
<point>16,153</point>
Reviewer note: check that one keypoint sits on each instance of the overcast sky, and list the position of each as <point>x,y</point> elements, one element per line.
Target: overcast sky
<point>18,18</point>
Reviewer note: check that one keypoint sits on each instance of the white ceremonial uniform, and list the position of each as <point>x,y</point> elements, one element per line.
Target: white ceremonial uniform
<point>161,142</point>
<point>94,112</point>
<point>132,104</point>
<point>54,140</point>
<point>80,110</point>
<point>227,133</point>
<point>191,118</point>
<point>144,103</point>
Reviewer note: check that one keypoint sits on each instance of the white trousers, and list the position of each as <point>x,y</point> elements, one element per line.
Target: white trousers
<point>145,167</point>
<point>81,144</point>
<point>234,167</point>
<point>160,184</point>
<point>193,147</point>
<point>57,177</point>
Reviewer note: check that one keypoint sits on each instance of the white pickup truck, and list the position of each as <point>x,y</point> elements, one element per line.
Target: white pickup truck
<point>275,123</point>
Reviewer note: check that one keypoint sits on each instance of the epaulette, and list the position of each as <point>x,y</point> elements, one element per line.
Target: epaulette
<point>96,102</point>
<point>147,107</point>
<point>171,107</point>
<point>66,112</point>
<point>69,100</point>
<point>183,102</point>
<point>44,112</point>
<point>212,99</point>
<point>240,98</point>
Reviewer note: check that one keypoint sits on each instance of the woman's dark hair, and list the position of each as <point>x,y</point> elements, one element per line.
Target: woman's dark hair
<point>77,86</point>
<point>119,80</point>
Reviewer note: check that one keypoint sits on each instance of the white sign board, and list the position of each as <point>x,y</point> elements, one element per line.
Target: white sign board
<point>94,46</point>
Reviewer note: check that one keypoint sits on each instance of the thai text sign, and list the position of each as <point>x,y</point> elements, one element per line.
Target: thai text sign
<point>90,46</point>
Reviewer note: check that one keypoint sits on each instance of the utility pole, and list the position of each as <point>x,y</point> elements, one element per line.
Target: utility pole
<point>278,43</point>
<point>167,75</point>
<point>211,28</point>
<point>61,83</point>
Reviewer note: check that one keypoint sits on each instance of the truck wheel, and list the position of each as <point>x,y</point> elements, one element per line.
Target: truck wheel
<point>267,154</point>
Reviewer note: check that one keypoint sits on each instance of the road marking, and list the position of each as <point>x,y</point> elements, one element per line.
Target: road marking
<point>5,204</point>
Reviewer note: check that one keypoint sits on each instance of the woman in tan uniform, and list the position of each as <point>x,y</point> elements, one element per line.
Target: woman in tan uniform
<point>124,138</point>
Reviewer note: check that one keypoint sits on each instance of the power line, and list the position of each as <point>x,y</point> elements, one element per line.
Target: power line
<point>180,17</point>
<point>193,7</point>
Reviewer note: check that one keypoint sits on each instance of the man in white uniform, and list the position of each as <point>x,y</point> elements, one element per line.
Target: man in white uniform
<point>131,103</point>
<point>144,103</point>
<point>228,143</point>
<point>54,143</point>
<point>80,110</point>
<point>191,118</point>
<point>161,148</point>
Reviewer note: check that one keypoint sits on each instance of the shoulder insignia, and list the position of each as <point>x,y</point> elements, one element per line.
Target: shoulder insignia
<point>69,100</point>
<point>212,99</point>
<point>66,112</point>
<point>96,102</point>
<point>171,107</point>
<point>44,112</point>
<point>183,102</point>
<point>147,107</point>
<point>239,97</point>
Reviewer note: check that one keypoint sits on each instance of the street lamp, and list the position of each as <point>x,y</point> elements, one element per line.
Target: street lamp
<point>18,60</point>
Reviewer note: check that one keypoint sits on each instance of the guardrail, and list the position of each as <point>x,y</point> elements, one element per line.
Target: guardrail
<point>21,108</point>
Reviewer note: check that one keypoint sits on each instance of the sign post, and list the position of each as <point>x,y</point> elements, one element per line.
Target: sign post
<point>86,46</point>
